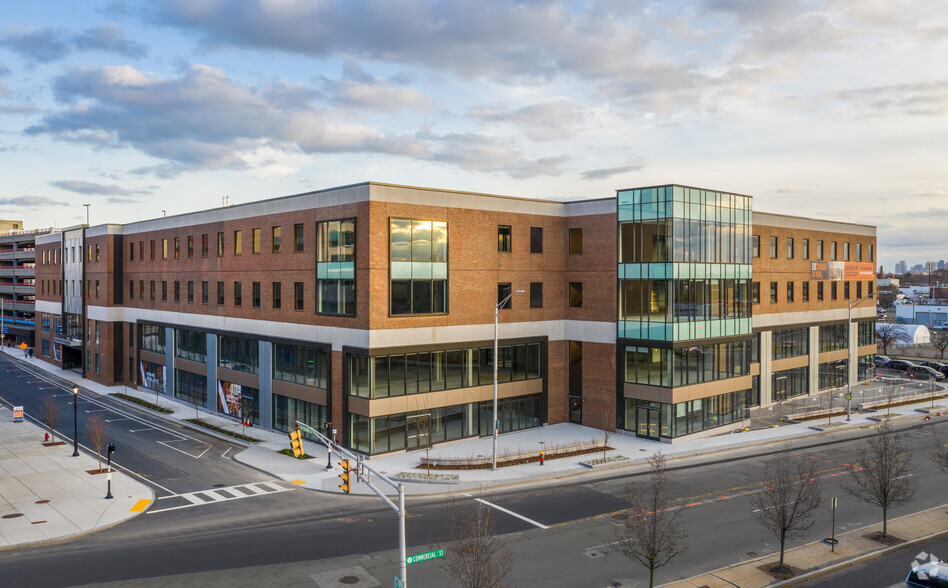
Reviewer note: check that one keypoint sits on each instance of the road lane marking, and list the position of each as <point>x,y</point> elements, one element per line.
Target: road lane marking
<point>214,495</point>
<point>226,451</point>
<point>511,513</point>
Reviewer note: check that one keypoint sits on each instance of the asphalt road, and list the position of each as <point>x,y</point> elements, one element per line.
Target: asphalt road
<point>171,458</point>
<point>561,533</point>
<point>888,570</point>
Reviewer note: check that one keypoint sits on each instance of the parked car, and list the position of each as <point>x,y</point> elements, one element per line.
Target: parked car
<point>929,575</point>
<point>881,360</point>
<point>899,365</point>
<point>936,365</point>
<point>923,372</point>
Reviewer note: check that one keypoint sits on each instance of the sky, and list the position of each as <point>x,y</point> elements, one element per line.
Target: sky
<point>835,109</point>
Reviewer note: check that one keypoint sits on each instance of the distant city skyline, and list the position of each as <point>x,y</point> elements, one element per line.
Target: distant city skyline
<point>828,108</point>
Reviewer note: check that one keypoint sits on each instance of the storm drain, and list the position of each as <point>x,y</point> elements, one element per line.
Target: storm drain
<point>12,515</point>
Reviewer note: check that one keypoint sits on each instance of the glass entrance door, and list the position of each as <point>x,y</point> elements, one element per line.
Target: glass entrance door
<point>647,422</point>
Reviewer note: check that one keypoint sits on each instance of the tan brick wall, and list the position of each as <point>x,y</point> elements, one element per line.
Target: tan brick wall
<point>797,270</point>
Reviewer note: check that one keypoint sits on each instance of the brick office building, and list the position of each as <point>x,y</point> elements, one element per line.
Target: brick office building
<point>369,305</point>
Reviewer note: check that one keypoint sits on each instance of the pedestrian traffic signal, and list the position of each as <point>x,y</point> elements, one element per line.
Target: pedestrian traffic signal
<point>346,476</point>
<point>296,442</point>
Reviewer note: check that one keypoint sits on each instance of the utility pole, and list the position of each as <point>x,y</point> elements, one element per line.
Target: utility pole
<point>400,488</point>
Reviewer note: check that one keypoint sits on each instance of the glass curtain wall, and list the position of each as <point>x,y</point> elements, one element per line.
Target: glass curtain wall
<point>684,264</point>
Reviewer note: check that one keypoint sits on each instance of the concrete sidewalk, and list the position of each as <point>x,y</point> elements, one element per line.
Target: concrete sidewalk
<point>816,558</point>
<point>46,494</point>
<point>627,449</point>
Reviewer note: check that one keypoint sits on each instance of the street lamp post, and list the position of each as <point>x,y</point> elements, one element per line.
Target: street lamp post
<point>497,307</point>
<point>849,371</point>
<point>75,421</point>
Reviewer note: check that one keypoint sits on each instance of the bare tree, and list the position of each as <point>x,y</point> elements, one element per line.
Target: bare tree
<point>95,429</point>
<point>607,421</point>
<point>889,334</point>
<point>939,340</point>
<point>652,533</point>
<point>881,476</point>
<point>479,559</point>
<point>940,456</point>
<point>49,414</point>
<point>790,496</point>
<point>891,393</point>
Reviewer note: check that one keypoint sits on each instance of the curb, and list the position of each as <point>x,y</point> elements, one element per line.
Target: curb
<point>858,559</point>
<point>830,568</point>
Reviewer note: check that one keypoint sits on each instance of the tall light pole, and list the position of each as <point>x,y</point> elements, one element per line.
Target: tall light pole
<point>75,421</point>
<point>87,212</point>
<point>849,372</point>
<point>497,307</point>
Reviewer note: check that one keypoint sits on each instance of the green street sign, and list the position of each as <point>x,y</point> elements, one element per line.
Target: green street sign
<point>307,427</point>
<point>423,556</point>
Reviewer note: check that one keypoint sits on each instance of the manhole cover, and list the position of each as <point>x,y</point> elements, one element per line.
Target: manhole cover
<point>593,553</point>
<point>349,580</point>
<point>42,502</point>
<point>13,515</point>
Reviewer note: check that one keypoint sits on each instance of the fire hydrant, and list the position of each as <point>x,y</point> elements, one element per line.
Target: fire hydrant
<point>541,457</point>
<point>46,439</point>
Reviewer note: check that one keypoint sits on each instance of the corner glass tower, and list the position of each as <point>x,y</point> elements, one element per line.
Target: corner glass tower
<point>684,307</point>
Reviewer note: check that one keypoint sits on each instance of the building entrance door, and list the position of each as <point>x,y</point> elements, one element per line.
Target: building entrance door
<point>647,422</point>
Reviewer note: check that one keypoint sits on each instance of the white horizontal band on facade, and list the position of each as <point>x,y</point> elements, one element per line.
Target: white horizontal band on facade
<point>587,331</point>
<point>780,319</point>
<point>49,306</point>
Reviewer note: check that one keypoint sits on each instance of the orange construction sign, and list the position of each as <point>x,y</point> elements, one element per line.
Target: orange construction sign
<point>23,345</point>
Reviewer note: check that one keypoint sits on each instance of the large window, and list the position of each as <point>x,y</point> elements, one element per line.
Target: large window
<point>432,371</point>
<point>833,374</point>
<point>790,383</point>
<point>419,255</point>
<point>151,338</point>
<point>693,416</point>
<point>335,267</point>
<point>686,366</point>
<point>191,388</point>
<point>300,365</point>
<point>286,411</point>
<point>536,239</point>
<point>866,333</point>
<point>237,353</point>
<point>790,343</point>
<point>575,241</point>
<point>833,337</point>
<point>190,345</point>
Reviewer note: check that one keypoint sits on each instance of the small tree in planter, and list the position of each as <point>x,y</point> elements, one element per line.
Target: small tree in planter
<point>49,414</point>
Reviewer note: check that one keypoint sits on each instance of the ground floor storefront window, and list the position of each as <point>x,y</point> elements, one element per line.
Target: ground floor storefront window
<point>833,374</point>
<point>656,420</point>
<point>409,431</point>
<point>190,388</point>
<point>865,367</point>
<point>238,401</point>
<point>152,376</point>
<point>286,411</point>
<point>790,383</point>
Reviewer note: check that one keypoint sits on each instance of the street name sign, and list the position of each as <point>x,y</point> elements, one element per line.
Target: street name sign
<point>424,556</point>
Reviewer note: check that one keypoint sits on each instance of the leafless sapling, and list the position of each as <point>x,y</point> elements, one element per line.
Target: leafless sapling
<point>940,455</point>
<point>652,534</point>
<point>939,340</point>
<point>888,334</point>
<point>49,414</point>
<point>477,558</point>
<point>788,500</point>
<point>96,429</point>
<point>882,474</point>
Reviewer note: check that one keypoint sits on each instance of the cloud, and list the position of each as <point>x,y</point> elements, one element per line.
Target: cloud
<point>47,45</point>
<point>31,201</point>
<point>469,37</point>
<point>928,98</point>
<point>109,37</point>
<point>359,90</point>
<point>608,172</point>
<point>548,121</point>
<point>91,188</point>
<point>199,120</point>
<point>485,154</point>
<point>41,45</point>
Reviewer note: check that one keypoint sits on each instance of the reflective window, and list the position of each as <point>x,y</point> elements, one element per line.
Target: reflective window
<point>237,353</point>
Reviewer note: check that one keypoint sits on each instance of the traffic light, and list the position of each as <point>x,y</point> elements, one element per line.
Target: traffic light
<point>296,442</point>
<point>346,476</point>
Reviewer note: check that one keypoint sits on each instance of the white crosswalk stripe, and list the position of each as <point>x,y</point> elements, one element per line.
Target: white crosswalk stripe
<point>213,495</point>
